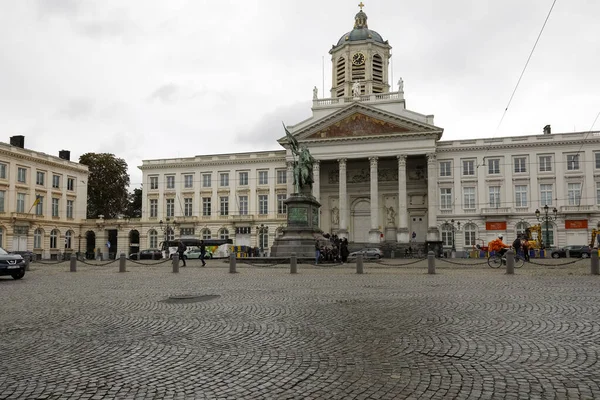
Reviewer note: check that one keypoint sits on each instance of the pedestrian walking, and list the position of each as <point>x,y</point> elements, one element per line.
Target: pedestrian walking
<point>317,252</point>
<point>344,250</point>
<point>181,248</point>
<point>202,252</point>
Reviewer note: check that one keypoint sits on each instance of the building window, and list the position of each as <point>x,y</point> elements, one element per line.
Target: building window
<point>546,194</point>
<point>574,194</point>
<point>39,205</point>
<point>447,235</point>
<point>153,236</point>
<point>69,240</point>
<point>469,198</point>
<point>263,237</point>
<point>153,182</point>
<point>170,234</point>
<point>188,181</point>
<point>470,231</point>
<point>281,176</point>
<point>445,168</point>
<point>243,178</point>
<point>56,181</point>
<point>263,177</point>
<point>243,230</point>
<point>224,234</point>
<point>597,193</point>
<point>446,198</point>
<point>188,206</point>
<point>70,209</point>
<point>572,162</point>
<point>494,196</point>
<point>596,157</point>
<point>281,206</point>
<point>520,164</point>
<point>21,175</point>
<point>548,234</point>
<point>2,197</point>
<point>170,208</point>
<point>520,195</point>
<point>206,206</point>
<point>545,163</point>
<point>55,207</point>
<point>243,205</point>
<point>263,204</point>
<point>521,228</point>
<point>469,167</point>
<point>153,208</point>
<point>39,178</point>
<point>71,184</point>
<point>206,178</point>
<point>493,166</point>
<point>224,202</point>
<point>54,239</point>
<point>2,171</point>
<point>205,233</point>
<point>189,232</point>
<point>37,239</point>
<point>224,179</point>
<point>170,182</point>
<point>20,202</point>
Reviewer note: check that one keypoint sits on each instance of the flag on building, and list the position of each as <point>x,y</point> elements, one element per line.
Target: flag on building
<point>38,198</point>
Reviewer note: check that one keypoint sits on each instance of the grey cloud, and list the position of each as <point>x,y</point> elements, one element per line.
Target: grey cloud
<point>167,93</point>
<point>59,7</point>
<point>96,29</point>
<point>77,108</point>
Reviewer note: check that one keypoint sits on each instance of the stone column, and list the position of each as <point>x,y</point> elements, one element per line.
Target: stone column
<point>343,231</point>
<point>290,178</point>
<point>402,236</point>
<point>374,233</point>
<point>432,231</point>
<point>316,189</point>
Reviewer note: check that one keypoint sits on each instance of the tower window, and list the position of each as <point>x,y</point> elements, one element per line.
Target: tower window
<point>377,73</point>
<point>340,72</point>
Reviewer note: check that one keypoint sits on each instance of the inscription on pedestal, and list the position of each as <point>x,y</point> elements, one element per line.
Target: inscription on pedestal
<point>298,216</point>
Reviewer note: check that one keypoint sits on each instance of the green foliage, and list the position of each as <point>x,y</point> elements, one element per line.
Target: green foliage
<point>134,207</point>
<point>107,185</point>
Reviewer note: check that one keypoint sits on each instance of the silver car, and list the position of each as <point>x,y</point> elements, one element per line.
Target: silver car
<point>373,253</point>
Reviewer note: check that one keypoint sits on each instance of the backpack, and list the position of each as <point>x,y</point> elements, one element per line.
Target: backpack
<point>181,247</point>
<point>517,243</point>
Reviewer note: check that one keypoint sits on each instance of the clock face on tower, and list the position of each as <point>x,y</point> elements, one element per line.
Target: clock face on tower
<point>358,59</point>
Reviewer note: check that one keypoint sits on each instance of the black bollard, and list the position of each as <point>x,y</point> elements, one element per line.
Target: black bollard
<point>293,264</point>
<point>359,264</point>
<point>510,262</point>
<point>27,261</point>
<point>431,263</point>
<point>175,263</point>
<point>232,264</point>
<point>73,266</point>
<point>594,258</point>
<point>122,266</point>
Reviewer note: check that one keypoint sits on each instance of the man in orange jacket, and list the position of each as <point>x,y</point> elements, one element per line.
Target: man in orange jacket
<point>498,246</point>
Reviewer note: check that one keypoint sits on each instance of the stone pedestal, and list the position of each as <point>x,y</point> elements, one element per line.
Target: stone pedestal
<point>403,235</point>
<point>390,234</point>
<point>302,226</point>
<point>433,234</point>
<point>374,236</point>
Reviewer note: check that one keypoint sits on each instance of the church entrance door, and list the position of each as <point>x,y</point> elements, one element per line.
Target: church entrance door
<point>361,221</point>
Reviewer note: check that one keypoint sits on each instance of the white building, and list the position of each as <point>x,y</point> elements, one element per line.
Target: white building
<point>43,200</point>
<point>383,173</point>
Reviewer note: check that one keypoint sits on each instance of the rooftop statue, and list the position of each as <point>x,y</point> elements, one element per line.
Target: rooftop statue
<point>303,163</point>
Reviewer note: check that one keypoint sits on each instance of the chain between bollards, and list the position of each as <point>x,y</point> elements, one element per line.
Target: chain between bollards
<point>594,262</point>
<point>175,263</point>
<point>73,266</point>
<point>359,264</point>
<point>232,264</point>
<point>431,263</point>
<point>510,262</point>
<point>122,261</point>
<point>293,264</point>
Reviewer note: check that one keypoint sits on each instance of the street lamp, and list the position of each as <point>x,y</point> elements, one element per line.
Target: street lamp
<point>166,230</point>
<point>454,230</point>
<point>546,219</point>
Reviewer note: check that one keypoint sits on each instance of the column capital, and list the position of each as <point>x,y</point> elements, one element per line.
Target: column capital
<point>401,160</point>
<point>342,163</point>
<point>373,161</point>
<point>431,158</point>
<point>290,165</point>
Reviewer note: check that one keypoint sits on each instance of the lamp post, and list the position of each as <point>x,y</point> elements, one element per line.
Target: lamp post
<point>166,230</point>
<point>546,219</point>
<point>261,242</point>
<point>454,230</point>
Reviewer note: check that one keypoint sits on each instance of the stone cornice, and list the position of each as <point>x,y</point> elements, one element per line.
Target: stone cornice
<point>374,139</point>
<point>81,168</point>
<point>518,145</point>
<point>175,163</point>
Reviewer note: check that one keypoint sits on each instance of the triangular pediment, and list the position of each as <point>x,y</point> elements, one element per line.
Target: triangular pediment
<point>356,125</point>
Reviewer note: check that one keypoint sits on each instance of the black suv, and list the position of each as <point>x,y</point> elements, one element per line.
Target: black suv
<point>11,264</point>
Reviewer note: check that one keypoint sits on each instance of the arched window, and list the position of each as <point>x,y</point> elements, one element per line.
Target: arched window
<point>521,227</point>
<point>153,239</point>
<point>69,240</point>
<point>548,234</point>
<point>447,235</point>
<point>54,235</point>
<point>340,72</point>
<point>470,230</point>
<point>38,235</point>
<point>224,234</point>
<point>205,233</point>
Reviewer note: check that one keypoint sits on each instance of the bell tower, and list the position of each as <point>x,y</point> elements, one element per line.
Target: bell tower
<point>362,56</point>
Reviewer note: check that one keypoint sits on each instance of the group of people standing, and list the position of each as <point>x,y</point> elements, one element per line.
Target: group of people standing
<point>336,251</point>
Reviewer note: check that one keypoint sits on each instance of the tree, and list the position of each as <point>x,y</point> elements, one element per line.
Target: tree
<point>134,206</point>
<point>107,185</point>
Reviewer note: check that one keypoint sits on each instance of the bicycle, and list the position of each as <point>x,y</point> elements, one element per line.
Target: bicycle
<point>496,260</point>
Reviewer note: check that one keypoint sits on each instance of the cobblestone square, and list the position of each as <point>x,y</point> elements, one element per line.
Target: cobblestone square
<point>325,333</point>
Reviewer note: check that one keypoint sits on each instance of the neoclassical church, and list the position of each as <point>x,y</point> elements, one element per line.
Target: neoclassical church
<point>383,175</point>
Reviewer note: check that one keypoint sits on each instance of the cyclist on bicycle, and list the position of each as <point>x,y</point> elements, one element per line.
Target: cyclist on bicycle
<point>498,246</point>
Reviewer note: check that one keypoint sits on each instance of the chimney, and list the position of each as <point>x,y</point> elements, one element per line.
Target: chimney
<point>18,141</point>
<point>547,130</point>
<point>65,155</point>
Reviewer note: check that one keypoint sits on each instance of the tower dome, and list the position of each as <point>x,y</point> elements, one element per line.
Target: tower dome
<point>361,31</point>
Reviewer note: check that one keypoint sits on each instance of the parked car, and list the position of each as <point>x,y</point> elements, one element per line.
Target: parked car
<point>23,253</point>
<point>574,251</point>
<point>148,254</point>
<point>11,264</point>
<point>368,253</point>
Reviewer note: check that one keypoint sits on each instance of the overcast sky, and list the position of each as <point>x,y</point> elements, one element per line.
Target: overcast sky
<point>147,79</point>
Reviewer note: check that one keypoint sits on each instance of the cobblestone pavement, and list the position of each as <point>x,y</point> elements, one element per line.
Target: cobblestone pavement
<point>325,333</point>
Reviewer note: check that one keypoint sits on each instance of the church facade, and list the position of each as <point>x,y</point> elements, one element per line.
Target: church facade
<point>382,173</point>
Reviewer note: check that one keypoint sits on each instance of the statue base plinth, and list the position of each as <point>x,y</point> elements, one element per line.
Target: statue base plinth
<point>374,236</point>
<point>303,228</point>
<point>403,236</point>
<point>433,234</point>
<point>390,234</point>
